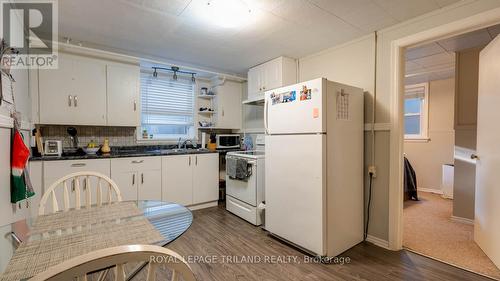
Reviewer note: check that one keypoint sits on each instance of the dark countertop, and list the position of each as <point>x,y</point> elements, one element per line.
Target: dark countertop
<point>131,151</point>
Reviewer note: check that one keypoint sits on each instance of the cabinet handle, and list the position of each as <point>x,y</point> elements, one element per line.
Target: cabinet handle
<point>263,88</point>
<point>137,161</point>
<point>73,185</point>
<point>133,179</point>
<point>76,101</point>
<point>135,105</point>
<point>142,178</point>
<point>78,165</point>
<point>196,160</point>
<point>222,111</point>
<point>70,97</point>
<point>189,160</point>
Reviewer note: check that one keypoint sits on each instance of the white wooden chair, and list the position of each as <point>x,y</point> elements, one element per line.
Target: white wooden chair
<point>78,267</point>
<point>73,181</point>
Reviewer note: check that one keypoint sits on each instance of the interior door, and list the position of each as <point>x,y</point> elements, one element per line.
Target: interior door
<point>487,209</point>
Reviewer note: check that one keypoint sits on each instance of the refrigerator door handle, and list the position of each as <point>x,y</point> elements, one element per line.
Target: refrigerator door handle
<point>266,106</point>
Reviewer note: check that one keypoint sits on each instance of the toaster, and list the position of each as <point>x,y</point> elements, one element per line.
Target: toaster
<point>53,148</point>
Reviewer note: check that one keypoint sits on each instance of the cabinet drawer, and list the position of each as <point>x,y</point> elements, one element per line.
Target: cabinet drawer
<point>136,163</point>
<point>54,170</point>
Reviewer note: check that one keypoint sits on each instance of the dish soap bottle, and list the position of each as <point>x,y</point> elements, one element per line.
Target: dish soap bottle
<point>105,147</point>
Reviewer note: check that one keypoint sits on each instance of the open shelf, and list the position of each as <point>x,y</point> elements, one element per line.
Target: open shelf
<point>206,96</point>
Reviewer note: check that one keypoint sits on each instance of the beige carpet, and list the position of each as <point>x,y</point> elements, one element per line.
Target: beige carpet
<point>428,230</point>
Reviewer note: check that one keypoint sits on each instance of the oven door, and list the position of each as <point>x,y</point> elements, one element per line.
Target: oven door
<point>245,191</point>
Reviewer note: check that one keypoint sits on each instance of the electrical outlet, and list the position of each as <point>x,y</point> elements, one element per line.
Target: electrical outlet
<point>372,169</point>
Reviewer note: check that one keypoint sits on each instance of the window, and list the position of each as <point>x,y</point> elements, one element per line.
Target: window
<point>416,107</point>
<point>167,107</point>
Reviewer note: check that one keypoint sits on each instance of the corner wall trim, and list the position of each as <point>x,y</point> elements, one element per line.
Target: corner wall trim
<point>378,126</point>
<point>430,190</point>
<point>462,220</point>
<point>378,242</point>
<point>6,122</point>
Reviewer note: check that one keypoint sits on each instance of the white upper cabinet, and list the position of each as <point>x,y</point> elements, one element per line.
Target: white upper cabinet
<point>89,91</point>
<point>273,74</point>
<point>229,105</point>
<point>75,93</point>
<point>123,95</point>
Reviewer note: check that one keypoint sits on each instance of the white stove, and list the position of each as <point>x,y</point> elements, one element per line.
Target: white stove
<point>243,197</point>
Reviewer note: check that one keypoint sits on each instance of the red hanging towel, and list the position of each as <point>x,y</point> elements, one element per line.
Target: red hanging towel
<point>19,189</point>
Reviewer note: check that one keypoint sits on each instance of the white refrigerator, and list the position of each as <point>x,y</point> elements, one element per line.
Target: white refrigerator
<point>314,165</point>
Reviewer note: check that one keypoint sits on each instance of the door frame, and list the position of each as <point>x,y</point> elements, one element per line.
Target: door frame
<point>397,61</point>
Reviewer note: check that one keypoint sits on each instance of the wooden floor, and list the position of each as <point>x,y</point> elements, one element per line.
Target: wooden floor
<point>219,234</point>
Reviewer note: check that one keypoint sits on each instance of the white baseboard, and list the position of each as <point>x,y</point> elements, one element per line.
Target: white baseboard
<point>378,242</point>
<point>203,205</point>
<point>462,220</point>
<point>430,190</point>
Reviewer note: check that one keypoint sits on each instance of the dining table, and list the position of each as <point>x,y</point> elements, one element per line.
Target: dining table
<point>34,244</point>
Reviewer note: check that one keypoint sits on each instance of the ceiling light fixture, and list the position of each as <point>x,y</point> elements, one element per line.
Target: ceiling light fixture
<point>226,13</point>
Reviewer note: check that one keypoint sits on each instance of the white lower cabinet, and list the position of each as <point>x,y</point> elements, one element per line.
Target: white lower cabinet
<point>177,179</point>
<point>54,170</point>
<point>206,178</point>
<point>184,179</point>
<point>190,179</point>
<point>139,178</point>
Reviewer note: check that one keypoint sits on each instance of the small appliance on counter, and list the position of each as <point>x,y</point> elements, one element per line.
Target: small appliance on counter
<point>228,141</point>
<point>53,148</point>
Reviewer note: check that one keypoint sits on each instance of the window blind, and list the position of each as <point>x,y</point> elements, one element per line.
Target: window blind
<point>165,101</point>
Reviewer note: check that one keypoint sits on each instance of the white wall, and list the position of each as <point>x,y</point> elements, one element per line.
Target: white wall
<point>352,63</point>
<point>428,157</point>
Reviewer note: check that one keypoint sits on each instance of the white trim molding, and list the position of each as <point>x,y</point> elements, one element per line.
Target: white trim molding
<point>378,126</point>
<point>430,190</point>
<point>462,220</point>
<point>378,242</point>
<point>396,88</point>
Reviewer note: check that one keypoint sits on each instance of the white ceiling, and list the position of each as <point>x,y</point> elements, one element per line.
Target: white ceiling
<point>171,29</point>
<point>436,60</point>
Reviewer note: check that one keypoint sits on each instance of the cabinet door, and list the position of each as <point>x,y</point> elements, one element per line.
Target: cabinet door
<point>89,91</point>
<point>206,178</point>
<point>55,87</point>
<point>123,95</point>
<point>127,182</point>
<point>253,82</point>
<point>272,72</point>
<point>54,170</point>
<point>177,179</point>
<point>149,185</point>
<point>229,105</point>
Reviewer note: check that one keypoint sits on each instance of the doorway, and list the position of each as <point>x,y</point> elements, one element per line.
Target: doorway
<point>440,117</point>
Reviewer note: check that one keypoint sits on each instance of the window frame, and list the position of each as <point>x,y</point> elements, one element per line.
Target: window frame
<point>169,138</point>
<point>424,112</point>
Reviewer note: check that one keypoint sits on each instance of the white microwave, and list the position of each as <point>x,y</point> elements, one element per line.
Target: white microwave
<point>228,141</point>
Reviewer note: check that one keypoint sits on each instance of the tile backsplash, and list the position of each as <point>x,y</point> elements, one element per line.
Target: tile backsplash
<point>118,136</point>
